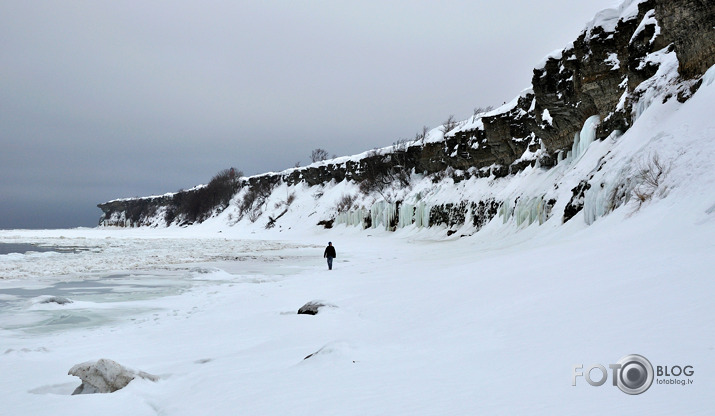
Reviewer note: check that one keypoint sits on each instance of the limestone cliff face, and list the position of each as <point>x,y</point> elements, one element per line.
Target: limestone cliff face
<point>689,26</point>
<point>604,72</point>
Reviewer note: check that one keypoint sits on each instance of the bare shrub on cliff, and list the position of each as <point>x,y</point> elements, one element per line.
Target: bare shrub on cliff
<point>255,213</point>
<point>380,171</point>
<point>254,199</point>
<point>223,186</point>
<point>421,135</point>
<point>449,124</point>
<point>441,175</point>
<point>650,174</point>
<point>318,155</point>
<point>399,158</point>
<point>620,194</point>
<point>290,198</point>
<point>199,203</point>
<point>373,168</point>
<point>345,203</point>
<point>481,110</point>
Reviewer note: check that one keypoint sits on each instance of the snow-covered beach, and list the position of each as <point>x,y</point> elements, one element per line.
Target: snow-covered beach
<point>418,325</point>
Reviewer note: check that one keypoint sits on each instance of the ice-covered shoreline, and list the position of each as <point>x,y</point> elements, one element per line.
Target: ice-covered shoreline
<point>92,251</point>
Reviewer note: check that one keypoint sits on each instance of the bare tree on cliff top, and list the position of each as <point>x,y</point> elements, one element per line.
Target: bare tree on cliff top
<point>318,155</point>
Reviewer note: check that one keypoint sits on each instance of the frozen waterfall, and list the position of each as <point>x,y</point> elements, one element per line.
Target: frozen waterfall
<point>585,137</point>
<point>383,214</point>
<point>352,218</point>
<point>417,214</point>
<point>525,210</point>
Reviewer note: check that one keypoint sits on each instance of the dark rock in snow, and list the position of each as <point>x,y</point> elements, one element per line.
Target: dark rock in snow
<point>575,205</point>
<point>456,214</point>
<point>327,224</point>
<point>312,308</point>
<point>338,351</point>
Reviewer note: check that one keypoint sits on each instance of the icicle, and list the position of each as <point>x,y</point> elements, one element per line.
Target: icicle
<point>351,218</point>
<point>505,211</point>
<point>525,211</point>
<point>587,136</point>
<point>406,215</point>
<point>613,191</point>
<point>422,215</point>
<point>575,146</point>
<point>381,213</point>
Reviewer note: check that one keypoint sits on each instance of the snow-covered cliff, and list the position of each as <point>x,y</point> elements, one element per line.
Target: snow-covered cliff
<point>597,130</point>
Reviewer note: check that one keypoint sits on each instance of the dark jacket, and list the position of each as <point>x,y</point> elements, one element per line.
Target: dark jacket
<point>330,252</point>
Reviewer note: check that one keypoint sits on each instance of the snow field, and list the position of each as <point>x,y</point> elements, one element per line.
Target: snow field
<point>421,327</point>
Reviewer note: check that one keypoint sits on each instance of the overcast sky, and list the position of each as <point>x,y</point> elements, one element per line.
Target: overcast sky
<point>101,100</point>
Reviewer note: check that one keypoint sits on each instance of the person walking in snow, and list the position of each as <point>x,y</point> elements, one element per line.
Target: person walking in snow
<point>330,254</point>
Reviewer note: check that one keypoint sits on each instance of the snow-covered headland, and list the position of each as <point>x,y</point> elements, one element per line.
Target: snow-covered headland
<point>458,289</point>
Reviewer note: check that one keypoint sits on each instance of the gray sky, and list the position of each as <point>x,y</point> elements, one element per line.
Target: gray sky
<point>101,100</point>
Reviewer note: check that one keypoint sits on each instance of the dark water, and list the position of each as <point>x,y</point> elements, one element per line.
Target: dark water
<point>22,248</point>
<point>7,248</point>
<point>83,287</point>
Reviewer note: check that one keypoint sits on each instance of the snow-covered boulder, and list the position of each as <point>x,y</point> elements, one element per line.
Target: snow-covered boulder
<point>105,376</point>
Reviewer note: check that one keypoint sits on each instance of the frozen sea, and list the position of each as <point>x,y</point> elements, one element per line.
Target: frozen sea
<point>10,248</point>
<point>52,284</point>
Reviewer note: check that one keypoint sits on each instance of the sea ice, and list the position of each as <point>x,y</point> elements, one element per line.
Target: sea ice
<point>60,300</point>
